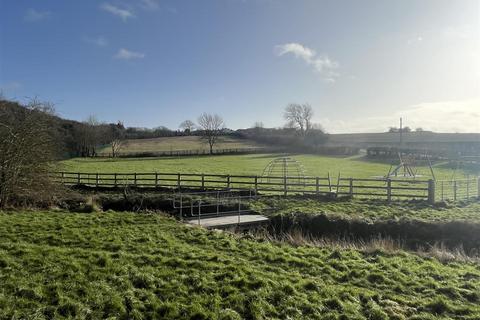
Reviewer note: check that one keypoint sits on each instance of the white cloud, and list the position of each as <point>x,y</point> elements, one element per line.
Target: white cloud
<point>123,13</point>
<point>458,32</point>
<point>414,40</point>
<point>449,116</point>
<point>149,4</point>
<point>128,55</point>
<point>321,63</point>
<point>99,41</point>
<point>33,15</point>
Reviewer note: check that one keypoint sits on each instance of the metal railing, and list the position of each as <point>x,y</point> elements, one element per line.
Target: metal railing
<point>457,190</point>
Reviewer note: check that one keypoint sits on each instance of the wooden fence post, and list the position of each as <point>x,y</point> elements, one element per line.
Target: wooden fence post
<point>478,187</point>
<point>135,179</point>
<point>78,178</point>
<point>455,190</point>
<point>351,187</point>
<point>285,186</point>
<point>96,180</point>
<point>115,180</point>
<point>317,185</point>
<point>256,186</point>
<point>431,191</point>
<point>389,190</point>
<point>203,181</point>
<point>156,179</point>
<point>468,188</point>
<point>329,182</point>
<point>228,181</point>
<point>179,181</point>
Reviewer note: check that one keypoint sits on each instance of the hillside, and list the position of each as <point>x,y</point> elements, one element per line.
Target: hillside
<point>181,143</point>
<point>137,266</point>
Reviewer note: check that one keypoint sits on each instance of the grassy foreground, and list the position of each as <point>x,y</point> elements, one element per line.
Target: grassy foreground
<point>314,165</point>
<point>132,266</point>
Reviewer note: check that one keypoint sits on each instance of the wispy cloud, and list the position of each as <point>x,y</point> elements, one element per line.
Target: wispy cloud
<point>123,13</point>
<point>149,4</point>
<point>447,116</point>
<point>99,41</point>
<point>125,54</point>
<point>33,15</point>
<point>458,32</point>
<point>321,63</point>
<point>415,40</point>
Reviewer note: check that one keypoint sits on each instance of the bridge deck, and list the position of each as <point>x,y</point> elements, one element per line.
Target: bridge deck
<point>226,221</point>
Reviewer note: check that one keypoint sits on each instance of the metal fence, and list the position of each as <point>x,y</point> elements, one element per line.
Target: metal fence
<point>456,190</point>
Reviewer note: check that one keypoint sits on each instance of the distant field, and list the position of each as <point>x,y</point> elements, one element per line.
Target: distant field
<point>181,143</point>
<point>314,165</point>
<point>58,265</point>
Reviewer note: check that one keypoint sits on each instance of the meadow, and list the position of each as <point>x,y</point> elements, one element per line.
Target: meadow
<point>253,164</point>
<point>180,143</point>
<point>138,266</point>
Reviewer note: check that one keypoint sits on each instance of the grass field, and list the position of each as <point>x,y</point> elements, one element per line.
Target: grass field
<point>314,165</point>
<point>181,143</point>
<point>131,266</point>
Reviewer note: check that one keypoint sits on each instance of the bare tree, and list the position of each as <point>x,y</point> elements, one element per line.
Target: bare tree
<point>212,126</point>
<point>299,116</point>
<point>116,137</point>
<point>187,126</point>
<point>27,154</point>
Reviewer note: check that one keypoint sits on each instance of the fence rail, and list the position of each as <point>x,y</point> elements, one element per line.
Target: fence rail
<point>366,188</point>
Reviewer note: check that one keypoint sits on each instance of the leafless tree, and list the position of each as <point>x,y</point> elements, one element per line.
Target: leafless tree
<point>299,116</point>
<point>212,125</point>
<point>27,154</point>
<point>115,137</point>
<point>187,126</point>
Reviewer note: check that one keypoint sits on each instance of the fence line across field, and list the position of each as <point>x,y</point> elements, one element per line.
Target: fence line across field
<point>371,188</point>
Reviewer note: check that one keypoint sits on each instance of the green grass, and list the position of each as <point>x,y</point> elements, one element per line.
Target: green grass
<point>314,165</point>
<point>131,266</point>
<point>370,209</point>
<point>180,143</point>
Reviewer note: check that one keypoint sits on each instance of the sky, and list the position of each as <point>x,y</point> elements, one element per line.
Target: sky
<point>361,65</point>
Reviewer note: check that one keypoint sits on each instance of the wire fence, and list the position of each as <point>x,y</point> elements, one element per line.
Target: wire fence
<point>456,190</point>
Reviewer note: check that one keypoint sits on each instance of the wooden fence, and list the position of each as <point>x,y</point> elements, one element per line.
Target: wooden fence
<point>369,188</point>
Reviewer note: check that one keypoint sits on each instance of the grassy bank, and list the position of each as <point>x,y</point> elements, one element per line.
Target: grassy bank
<point>370,209</point>
<point>60,265</point>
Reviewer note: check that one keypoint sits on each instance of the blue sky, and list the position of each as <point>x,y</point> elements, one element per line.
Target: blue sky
<point>360,64</point>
